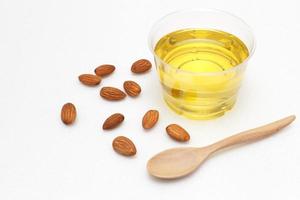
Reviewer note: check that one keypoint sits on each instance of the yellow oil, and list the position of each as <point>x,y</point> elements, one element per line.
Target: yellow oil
<point>195,70</point>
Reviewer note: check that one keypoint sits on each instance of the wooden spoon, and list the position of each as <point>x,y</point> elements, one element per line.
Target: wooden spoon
<point>179,162</point>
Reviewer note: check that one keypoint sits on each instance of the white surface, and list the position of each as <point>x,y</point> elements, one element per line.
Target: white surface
<point>45,45</point>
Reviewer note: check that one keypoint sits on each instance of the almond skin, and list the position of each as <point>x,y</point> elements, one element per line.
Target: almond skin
<point>132,88</point>
<point>124,146</point>
<point>141,66</point>
<point>177,133</point>
<point>112,93</point>
<point>113,121</point>
<point>150,119</point>
<point>68,113</point>
<point>104,70</point>
<point>89,79</point>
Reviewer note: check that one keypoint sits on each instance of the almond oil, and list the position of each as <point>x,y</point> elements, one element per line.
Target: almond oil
<point>200,71</point>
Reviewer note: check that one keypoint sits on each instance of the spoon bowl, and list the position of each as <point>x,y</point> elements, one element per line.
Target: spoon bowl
<point>176,162</point>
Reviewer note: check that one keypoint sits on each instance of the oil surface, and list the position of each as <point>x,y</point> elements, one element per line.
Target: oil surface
<point>183,56</point>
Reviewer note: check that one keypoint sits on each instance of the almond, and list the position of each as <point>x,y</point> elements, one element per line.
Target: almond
<point>150,119</point>
<point>89,79</point>
<point>104,70</point>
<point>68,113</point>
<point>124,146</point>
<point>113,121</point>
<point>177,133</point>
<point>112,93</point>
<point>141,66</point>
<point>132,88</point>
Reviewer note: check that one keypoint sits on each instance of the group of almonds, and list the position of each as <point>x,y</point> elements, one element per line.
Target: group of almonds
<point>121,144</point>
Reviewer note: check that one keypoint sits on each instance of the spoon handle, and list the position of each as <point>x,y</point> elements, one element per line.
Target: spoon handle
<point>253,134</point>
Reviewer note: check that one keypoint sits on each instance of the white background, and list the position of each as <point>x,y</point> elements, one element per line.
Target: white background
<point>45,45</point>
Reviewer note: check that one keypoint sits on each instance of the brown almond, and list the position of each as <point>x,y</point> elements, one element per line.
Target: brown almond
<point>177,133</point>
<point>124,146</point>
<point>113,121</point>
<point>89,79</point>
<point>150,119</point>
<point>68,113</point>
<point>112,93</point>
<point>132,88</point>
<point>104,70</point>
<point>141,66</point>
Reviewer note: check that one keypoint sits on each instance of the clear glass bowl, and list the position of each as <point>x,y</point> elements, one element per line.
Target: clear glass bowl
<point>215,92</point>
